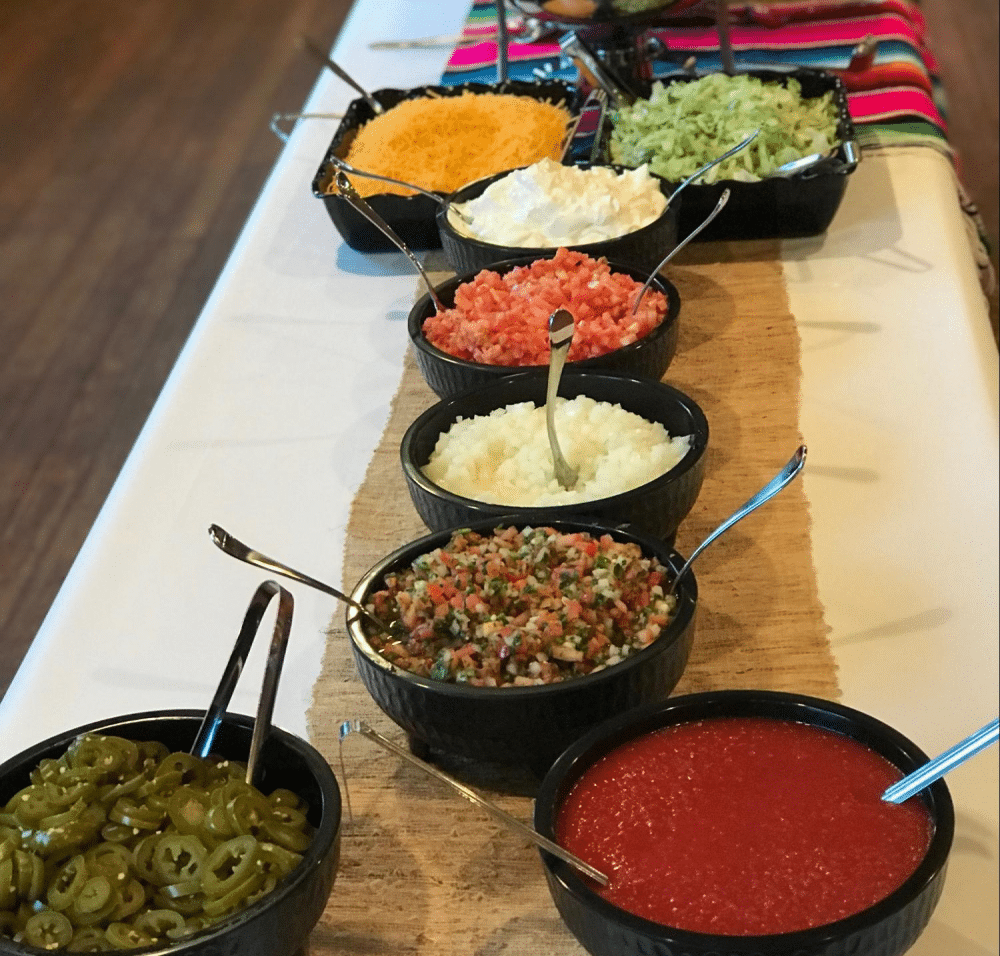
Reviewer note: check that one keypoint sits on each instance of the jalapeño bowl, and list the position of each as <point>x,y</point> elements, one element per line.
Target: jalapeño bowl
<point>277,924</point>
<point>521,726</point>
<point>887,927</point>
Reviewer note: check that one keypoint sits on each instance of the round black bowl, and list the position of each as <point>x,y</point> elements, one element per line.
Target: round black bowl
<point>447,375</point>
<point>887,928</point>
<point>278,924</point>
<point>643,249</point>
<point>525,727</point>
<point>657,507</point>
<point>412,217</point>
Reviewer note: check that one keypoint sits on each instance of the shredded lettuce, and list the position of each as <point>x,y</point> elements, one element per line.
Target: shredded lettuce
<point>684,125</point>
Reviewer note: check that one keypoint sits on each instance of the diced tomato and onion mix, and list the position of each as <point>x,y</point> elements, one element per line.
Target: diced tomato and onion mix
<point>522,607</point>
<point>504,319</point>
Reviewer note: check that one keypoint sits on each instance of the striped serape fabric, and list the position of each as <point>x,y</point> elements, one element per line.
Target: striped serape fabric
<point>894,94</point>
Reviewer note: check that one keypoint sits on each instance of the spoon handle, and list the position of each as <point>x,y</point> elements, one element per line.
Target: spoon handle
<point>769,490</point>
<point>237,549</point>
<point>349,193</point>
<point>561,326</point>
<point>934,769</point>
<point>339,71</point>
<point>360,727</point>
<point>354,171</point>
<point>719,206</point>
<point>714,162</point>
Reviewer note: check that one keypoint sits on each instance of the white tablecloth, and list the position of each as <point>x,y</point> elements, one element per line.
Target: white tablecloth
<point>279,397</point>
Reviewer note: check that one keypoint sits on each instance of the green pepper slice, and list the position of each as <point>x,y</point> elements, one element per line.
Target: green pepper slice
<point>68,882</point>
<point>48,930</point>
<point>158,923</point>
<point>89,939</point>
<point>230,865</point>
<point>178,858</point>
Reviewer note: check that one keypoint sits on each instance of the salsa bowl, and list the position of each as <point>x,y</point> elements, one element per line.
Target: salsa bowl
<point>886,927</point>
<point>520,726</point>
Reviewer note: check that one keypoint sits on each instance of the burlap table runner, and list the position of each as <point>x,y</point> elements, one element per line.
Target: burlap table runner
<point>424,872</point>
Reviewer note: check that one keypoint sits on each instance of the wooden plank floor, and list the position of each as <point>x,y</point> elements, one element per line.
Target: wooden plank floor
<point>133,142</point>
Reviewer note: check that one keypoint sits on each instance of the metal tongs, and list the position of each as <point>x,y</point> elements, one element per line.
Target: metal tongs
<point>205,737</point>
<point>522,829</point>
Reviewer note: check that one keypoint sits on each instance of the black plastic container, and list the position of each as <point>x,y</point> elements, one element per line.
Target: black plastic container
<point>801,205</point>
<point>643,249</point>
<point>887,928</point>
<point>656,507</point>
<point>278,924</point>
<point>524,727</point>
<point>449,376</point>
<point>412,217</point>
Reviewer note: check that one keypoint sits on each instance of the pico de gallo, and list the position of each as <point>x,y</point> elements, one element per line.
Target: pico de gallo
<point>521,607</point>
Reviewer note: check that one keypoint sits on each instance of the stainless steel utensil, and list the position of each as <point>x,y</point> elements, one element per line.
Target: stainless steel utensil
<point>445,204</point>
<point>349,193</point>
<point>202,745</point>
<point>723,199</point>
<point>561,326</point>
<point>237,549</point>
<point>796,166</point>
<point>769,490</point>
<point>715,162</point>
<point>324,58</point>
<point>522,829</point>
<point>934,769</point>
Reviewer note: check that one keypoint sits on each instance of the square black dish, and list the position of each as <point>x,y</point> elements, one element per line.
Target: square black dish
<point>776,208</point>
<point>412,217</point>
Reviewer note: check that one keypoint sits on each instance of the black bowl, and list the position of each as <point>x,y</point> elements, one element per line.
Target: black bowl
<point>278,924</point>
<point>887,928</point>
<point>412,217</point>
<point>643,249</point>
<point>801,205</point>
<point>524,727</point>
<point>448,376</point>
<point>657,507</point>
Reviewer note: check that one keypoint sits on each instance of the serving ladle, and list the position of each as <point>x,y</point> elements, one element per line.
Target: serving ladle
<point>719,206</point>
<point>445,204</point>
<point>561,327</point>
<point>522,829</point>
<point>349,193</point>
<point>237,549</point>
<point>339,71</point>
<point>776,484</point>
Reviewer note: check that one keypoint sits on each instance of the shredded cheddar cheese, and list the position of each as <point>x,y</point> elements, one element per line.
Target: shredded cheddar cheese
<point>442,143</point>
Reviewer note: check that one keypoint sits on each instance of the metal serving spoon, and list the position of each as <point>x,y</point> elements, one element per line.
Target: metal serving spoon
<point>561,326</point>
<point>237,549</point>
<point>723,199</point>
<point>349,193</point>
<point>216,711</point>
<point>323,58</point>
<point>796,166</point>
<point>934,769</point>
<point>715,162</point>
<point>766,493</point>
<point>522,829</point>
<point>445,204</point>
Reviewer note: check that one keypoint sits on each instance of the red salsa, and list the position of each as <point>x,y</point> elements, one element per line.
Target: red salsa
<point>744,826</point>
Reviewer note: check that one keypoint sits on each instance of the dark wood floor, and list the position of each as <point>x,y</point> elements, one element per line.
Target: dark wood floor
<point>133,142</point>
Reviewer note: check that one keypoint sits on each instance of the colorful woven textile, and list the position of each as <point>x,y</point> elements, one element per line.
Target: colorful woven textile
<point>895,92</point>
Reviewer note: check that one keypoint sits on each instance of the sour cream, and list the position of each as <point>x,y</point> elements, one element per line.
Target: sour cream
<point>548,204</point>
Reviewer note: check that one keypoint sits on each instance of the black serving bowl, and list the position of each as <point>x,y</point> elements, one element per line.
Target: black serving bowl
<point>887,928</point>
<point>656,507</point>
<point>649,357</point>
<point>801,205</point>
<point>412,217</point>
<point>642,249</point>
<point>280,922</point>
<point>524,727</point>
